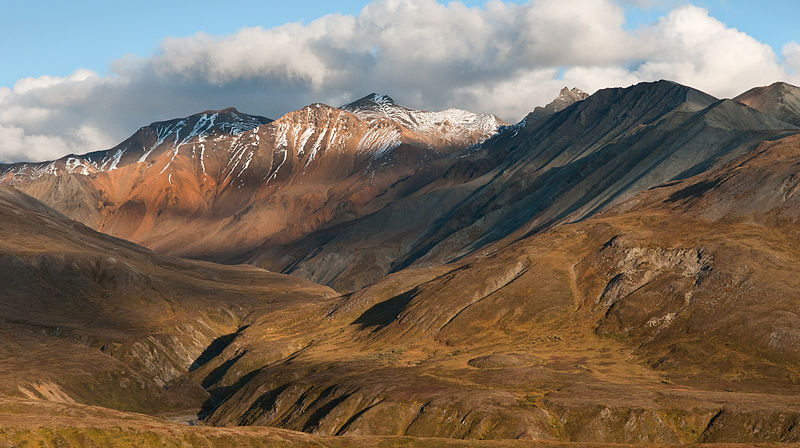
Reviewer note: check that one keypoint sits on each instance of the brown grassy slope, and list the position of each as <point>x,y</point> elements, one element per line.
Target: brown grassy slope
<point>90,318</point>
<point>568,335</point>
<point>36,423</point>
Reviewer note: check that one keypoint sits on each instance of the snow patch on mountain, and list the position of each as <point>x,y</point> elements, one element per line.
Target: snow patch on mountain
<point>379,140</point>
<point>454,126</point>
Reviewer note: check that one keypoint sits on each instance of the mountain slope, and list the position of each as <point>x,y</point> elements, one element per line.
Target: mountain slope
<point>532,176</point>
<point>623,270</point>
<point>780,100</point>
<point>93,319</point>
<point>563,335</point>
<point>345,196</point>
<point>641,324</point>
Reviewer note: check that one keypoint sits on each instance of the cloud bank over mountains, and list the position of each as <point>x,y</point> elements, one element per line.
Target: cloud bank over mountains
<point>503,58</point>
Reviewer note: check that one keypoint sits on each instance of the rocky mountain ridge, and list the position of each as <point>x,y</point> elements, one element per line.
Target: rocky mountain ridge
<point>155,187</point>
<point>533,176</point>
<point>621,270</point>
<point>565,98</point>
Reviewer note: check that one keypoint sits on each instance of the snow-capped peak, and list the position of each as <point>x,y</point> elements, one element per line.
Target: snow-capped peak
<point>453,126</point>
<point>380,99</point>
<point>374,106</point>
<point>169,135</point>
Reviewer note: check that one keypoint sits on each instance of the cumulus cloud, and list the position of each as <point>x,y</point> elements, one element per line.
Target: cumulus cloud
<point>791,57</point>
<point>693,48</point>
<point>504,58</point>
<point>17,145</point>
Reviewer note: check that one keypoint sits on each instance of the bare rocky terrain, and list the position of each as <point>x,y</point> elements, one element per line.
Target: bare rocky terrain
<point>616,268</point>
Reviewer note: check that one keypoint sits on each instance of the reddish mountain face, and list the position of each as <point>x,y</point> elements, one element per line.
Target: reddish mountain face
<point>217,184</point>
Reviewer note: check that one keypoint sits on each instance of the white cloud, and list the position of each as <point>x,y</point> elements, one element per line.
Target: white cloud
<point>791,57</point>
<point>26,85</point>
<point>503,58</point>
<point>701,51</point>
<point>16,145</point>
<point>693,48</point>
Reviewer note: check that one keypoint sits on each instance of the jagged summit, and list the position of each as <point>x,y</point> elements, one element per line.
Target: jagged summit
<point>574,94</point>
<point>565,98</point>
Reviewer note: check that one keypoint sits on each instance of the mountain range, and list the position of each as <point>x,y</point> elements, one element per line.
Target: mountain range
<point>616,267</point>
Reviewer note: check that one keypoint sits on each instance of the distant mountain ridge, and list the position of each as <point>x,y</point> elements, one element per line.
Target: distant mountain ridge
<point>226,167</point>
<point>138,147</point>
<point>405,187</point>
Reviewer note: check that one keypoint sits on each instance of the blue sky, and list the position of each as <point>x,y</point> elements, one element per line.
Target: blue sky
<point>56,37</point>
